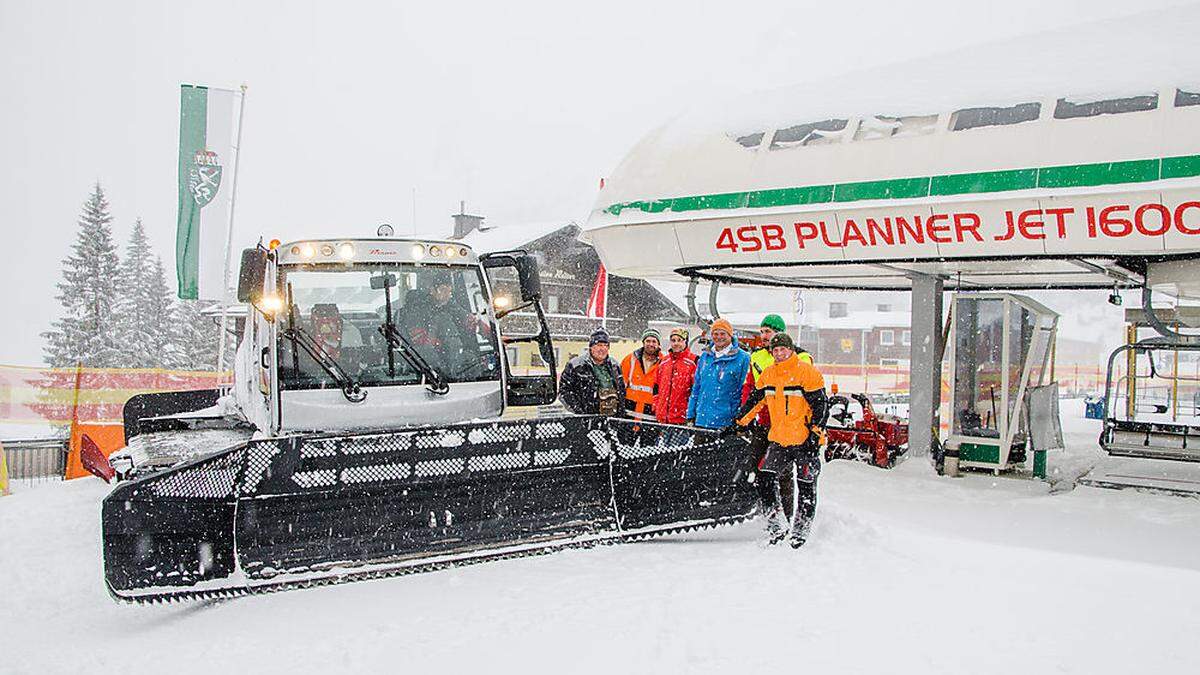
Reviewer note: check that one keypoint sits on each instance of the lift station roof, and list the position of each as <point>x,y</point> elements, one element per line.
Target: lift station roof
<point>1068,159</point>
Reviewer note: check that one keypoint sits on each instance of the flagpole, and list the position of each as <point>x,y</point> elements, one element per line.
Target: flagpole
<point>237,159</point>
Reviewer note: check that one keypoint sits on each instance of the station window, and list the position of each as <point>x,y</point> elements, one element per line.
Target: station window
<point>512,356</point>
<point>750,140</point>
<point>906,337</point>
<point>881,126</point>
<point>552,304</point>
<point>1067,109</point>
<point>813,133</point>
<point>1186,98</point>
<point>887,338</point>
<point>883,307</point>
<point>972,118</point>
<point>838,309</point>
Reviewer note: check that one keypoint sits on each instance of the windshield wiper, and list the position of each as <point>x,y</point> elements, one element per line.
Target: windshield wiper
<point>398,343</point>
<point>300,338</point>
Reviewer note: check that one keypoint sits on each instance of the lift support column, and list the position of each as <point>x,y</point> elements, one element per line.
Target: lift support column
<point>925,363</point>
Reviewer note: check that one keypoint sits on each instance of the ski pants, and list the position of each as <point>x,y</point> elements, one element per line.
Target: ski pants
<point>777,462</point>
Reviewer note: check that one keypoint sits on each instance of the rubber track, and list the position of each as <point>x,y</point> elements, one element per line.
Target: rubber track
<point>264,589</point>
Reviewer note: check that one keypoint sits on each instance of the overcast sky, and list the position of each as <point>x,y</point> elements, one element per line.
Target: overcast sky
<point>518,108</point>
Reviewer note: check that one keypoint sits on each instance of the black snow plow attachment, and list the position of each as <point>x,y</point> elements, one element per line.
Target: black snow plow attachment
<point>310,510</point>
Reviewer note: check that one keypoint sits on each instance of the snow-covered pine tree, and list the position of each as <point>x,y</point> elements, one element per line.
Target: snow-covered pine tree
<point>197,337</point>
<point>86,331</point>
<point>144,309</point>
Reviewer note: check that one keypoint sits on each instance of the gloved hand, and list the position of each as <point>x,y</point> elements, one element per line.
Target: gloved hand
<point>728,430</point>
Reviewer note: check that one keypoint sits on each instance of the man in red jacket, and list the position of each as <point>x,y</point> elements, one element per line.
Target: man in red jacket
<point>673,386</point>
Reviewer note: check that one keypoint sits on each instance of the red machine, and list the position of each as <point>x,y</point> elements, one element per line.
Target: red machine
<point>854,431</point>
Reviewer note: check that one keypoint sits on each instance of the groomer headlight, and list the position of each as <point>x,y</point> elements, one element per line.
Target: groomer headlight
<point>271,303</point>
<point>418,251</point>
<point>451,252</point>
<point>307,250</point>
<point>326,250</point>
<point>435,251</point>
<point>346,251</point>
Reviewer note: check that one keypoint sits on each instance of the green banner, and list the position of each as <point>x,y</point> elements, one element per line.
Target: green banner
<point>193,120</point>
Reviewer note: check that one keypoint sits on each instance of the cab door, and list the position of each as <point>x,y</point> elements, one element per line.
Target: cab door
<point>530,364</point>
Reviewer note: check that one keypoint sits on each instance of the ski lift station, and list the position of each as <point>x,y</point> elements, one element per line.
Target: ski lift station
<point>1065,160</point>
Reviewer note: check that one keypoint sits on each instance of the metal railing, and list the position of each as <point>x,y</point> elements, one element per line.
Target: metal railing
<point>36,460</point>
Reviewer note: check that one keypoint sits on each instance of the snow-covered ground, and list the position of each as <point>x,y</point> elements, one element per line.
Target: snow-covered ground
<point>905,573</point>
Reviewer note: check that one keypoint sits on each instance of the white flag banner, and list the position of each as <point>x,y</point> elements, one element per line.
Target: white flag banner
<point>207,127</point>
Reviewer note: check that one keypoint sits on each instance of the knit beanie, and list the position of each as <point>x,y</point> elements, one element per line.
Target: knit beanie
<point>722,324</point>
<point>774,322</point>
<point>599,336</point>
<point>681,332</point>
<point>651,332</point>
<point>782,340</point>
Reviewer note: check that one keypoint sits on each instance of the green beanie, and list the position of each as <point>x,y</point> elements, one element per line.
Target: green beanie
<point>650,332</point>
<point>774,322</point>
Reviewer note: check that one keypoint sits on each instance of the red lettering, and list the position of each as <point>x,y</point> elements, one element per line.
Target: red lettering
<point>966,222</point>
<point>1060,217</point>
<point>1031,227</point>
<point>1179,224</point>
<point>914,231</point>
<point>749,241</point>
<point>773,237</point>
<point>1012,228</point>
<point>884,233</point>
<point>825,237</point>
<point>1113,226</point>
<point>852,232</point>
<point>938,233</point>
<point>725,241</point>
<point>1091,221</point>
<point>1164,219</point>
<point>804,232</point>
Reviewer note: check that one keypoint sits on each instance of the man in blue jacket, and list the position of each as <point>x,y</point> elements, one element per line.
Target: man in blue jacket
<point>720,372</point>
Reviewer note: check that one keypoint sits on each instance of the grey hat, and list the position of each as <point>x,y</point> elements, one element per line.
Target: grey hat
<point>599,336</point>
<point>783,340</point>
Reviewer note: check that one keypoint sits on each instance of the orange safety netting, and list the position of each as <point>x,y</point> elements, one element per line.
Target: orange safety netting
<point>92,395</point>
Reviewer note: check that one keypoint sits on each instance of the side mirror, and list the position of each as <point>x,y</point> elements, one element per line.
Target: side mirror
<point>252,276</point>
<point>528,277</point>
<point>526,267</point>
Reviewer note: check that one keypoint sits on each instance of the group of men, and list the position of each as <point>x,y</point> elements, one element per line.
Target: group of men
<point>774,396</point>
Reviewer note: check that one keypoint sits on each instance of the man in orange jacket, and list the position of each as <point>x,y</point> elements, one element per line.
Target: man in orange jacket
<point>640,371</point>
<point>794,392</point>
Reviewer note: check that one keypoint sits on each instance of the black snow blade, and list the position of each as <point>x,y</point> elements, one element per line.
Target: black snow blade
<point>294,511</point>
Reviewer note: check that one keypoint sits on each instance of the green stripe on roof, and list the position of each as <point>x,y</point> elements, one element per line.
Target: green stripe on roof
<point>1077,175</point>
<point>897,188</point>
<point>1087,175</point>
<point>985,181</point>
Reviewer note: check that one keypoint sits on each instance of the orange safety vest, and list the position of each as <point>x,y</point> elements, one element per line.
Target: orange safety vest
<point>639,386</point>
<point>783,385</point>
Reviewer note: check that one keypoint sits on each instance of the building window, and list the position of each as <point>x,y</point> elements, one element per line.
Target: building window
<point>906,337</point>
<point>813,133</point>
<point>512,356</point>
<point>883,308</point>
<point>1186,98</point>
<point>971,118</point>
<point>1067,109</point>
<point>887,338</point>
<point>552,304</point>
<point>882,126</point>
<point>889,363</point>
<point>838,309</point>
<point>750,140</point>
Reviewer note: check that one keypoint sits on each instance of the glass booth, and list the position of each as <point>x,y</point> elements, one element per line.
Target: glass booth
<point>999,349</point>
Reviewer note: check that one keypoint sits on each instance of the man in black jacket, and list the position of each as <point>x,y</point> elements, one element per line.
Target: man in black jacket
<point>591,383</point>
